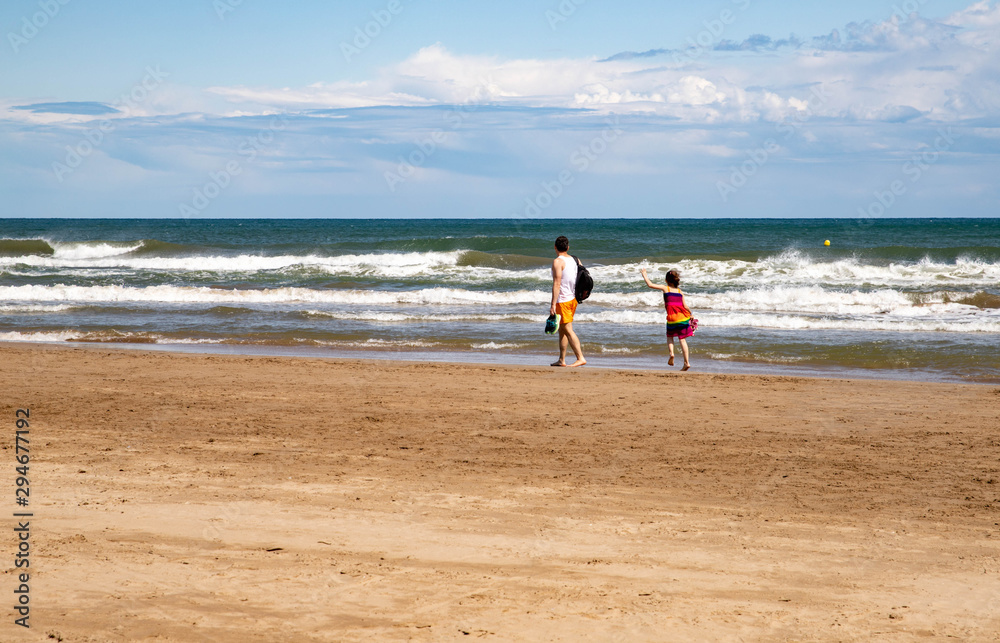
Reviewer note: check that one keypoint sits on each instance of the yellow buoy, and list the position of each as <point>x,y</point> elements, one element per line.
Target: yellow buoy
<point>826,243</point>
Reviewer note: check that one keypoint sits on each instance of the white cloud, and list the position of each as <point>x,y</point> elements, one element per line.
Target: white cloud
<point>319,96</point>
<point>983,15</point>
<point>894,70</point>
<point>599,94</point>
<point>693,90</point>
<point>894,34</point>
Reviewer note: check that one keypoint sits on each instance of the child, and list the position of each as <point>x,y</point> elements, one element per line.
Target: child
<point>679,322</point>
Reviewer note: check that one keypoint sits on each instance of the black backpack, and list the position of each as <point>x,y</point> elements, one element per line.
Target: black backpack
<point>584,282</point>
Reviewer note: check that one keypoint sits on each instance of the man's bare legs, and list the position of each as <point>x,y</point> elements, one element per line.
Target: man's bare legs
<point>567,338</point>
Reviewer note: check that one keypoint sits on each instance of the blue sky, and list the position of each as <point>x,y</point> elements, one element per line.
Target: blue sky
<point>727,108</point>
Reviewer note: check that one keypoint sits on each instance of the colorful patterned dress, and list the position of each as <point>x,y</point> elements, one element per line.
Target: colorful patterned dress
<point>678,316</point>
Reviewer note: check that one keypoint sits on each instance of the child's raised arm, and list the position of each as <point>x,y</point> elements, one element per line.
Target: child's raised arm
<point>650,283</point>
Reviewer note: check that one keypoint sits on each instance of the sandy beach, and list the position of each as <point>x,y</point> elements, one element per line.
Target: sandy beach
<point>220,498</point>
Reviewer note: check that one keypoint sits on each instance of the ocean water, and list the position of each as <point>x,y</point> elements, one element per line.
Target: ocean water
<point>888,298</point>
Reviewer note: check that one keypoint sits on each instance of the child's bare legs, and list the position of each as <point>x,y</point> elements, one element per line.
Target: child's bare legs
<point>684,350</point>
<point>670,345</point>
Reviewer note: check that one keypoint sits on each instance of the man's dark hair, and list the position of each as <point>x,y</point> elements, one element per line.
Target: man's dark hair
<point>562,244</point>
<point>673,279</point>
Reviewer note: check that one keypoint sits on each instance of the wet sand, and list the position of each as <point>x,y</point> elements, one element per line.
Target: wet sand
<point>221,498</point>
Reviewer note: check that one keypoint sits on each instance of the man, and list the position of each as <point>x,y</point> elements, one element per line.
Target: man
<point>564,302</point>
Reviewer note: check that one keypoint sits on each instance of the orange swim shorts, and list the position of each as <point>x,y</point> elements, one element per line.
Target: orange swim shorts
<point>566,310</point>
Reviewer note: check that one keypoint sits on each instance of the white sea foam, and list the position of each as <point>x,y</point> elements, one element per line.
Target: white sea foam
<point>89,256</point>
<point>36,308</point>
<point>793,268</point>
<point>774,299</point>
<point>83,251</point>
<point>754,357</point>
<point>387,317</point>
<point>153,338</point>
<point>962,321</point>
<point>796,308</point>
<point>955,324</point>
<point>494,346</point>
<point>381,344</point>
<point>616,350</point>
<point>811,299</point>
<point>790,268</point>
<point>54,336</point>
<point>807,299</point>
<point>624,316</point>
<point>188,294</point>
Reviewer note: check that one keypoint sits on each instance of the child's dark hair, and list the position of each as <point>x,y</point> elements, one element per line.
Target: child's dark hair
<point>673,279</point>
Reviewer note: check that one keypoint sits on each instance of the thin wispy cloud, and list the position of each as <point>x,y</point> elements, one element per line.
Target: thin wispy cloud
<point>76,108</point>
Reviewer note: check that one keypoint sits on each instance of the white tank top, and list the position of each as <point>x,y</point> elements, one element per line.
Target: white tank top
<point>567,287</point>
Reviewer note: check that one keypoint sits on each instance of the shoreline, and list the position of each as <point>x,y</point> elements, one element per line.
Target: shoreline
<point>247,498</point>
<point>649,362</point>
